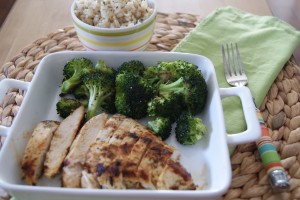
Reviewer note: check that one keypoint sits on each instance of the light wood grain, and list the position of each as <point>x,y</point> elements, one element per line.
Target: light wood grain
<point>32,19</point>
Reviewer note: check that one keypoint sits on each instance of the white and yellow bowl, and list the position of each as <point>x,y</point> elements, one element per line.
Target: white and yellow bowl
<point>133,38</point>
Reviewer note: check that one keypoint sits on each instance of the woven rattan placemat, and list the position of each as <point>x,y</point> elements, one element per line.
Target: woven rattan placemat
<point>281,107</point>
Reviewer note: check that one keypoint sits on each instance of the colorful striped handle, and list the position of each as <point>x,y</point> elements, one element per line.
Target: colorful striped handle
<point>267,150</point>
<point>270,157</point>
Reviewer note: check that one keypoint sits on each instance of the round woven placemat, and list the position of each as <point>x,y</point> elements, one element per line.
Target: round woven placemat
<point>281,107</point>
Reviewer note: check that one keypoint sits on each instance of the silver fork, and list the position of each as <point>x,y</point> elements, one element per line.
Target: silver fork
<point>236,76</point>
<point>233,66</point>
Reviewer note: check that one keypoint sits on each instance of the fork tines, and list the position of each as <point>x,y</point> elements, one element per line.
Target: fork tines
<point>232,61</point>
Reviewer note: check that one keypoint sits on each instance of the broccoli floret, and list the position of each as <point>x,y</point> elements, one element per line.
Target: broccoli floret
<point>169,100</point>
<point>132,95</point>
<point>133,67</point>
<point>81,92</point>
<point>189,129</point>
<point>161,127</point>
<point>101,86</point>
<point>180,77</point>
<point>166,106</point>
<point>73,72</point>
<point>195,97</point>
<point>163,73</point>
<point>65,106</point>
<point>103,68</point>
<point>177,87</point>
<point>108,104</point>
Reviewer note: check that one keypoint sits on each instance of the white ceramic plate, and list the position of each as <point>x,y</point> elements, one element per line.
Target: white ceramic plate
<point>208,161</point>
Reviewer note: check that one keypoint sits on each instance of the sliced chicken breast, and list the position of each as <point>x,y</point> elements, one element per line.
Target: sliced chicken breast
<point>89,180</point>
<point>120,145</point>
<point>110,127</point>
<point>153,163</point>
<point>36,149</point>
<point>93,154</point>
<point>62,140</point>
<point>132,163</point>
<point>132,157</point>
<point>175,177</point>
<point>73,163</point>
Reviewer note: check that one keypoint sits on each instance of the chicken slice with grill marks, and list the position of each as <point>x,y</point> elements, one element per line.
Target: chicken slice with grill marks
<point>104,135</point>
<point>110,127</point>
<point>159,162</point>
<point>61,141</point>
<point>93,154</point>
<point>150,161</point>
<point>140,162</point>
<point>110,176</point>
<point>73,163</point>
<point>153,163</point>
<point>175,177</point>
<point>36,149</point>
<point>132,162</point>
<point>88,180</point>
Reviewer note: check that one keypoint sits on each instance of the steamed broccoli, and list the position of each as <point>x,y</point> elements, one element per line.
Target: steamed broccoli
<point>73,72</point>
<point>162,73</point>
<point>182,78</point>
<point>132,95</point>
<point>103,68</point>
<point>189,129</point>
<point>196,93</point>
<point>65,106</point>
<point>161,127</point>
<point>108,104</point>
<point>169,106</point>
<point>101,87</point>
<point>81,92</point>
<point>133,67</point>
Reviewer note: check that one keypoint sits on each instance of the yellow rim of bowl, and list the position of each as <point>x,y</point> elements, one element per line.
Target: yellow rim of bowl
<point>115,34</point>
<point>116,44</point>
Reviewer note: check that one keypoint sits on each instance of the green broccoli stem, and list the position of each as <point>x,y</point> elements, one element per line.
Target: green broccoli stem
<point>176,87</point>
<point>70,84</point>
<point>95,101</point>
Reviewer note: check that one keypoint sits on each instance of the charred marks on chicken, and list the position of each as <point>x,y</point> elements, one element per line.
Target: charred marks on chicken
<point>27,167</point>
<point>126,148</point>
<point>178,169</point>
<point>133,135</point>
<point>127,170</point>
<point>111,180</point>
<point>100,169</point>
<point>66,162</point>
<point>146,140</point>
<point>115,168</point>
<point>143,175</point>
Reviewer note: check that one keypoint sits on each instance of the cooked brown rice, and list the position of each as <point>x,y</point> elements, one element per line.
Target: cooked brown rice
<point>112,13</point>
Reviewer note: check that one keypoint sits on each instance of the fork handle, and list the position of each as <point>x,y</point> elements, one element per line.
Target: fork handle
<point>270,158</point>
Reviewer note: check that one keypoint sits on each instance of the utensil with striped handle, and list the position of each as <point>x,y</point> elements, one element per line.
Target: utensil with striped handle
<point>236,77</point>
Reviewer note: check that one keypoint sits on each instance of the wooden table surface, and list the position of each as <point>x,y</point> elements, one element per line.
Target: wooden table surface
<point>29,20</point>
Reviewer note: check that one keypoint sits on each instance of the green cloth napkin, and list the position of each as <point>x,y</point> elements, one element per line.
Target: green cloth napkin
<point>265,44</point>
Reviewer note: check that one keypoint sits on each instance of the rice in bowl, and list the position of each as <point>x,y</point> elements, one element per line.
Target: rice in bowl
<point>112,13</point>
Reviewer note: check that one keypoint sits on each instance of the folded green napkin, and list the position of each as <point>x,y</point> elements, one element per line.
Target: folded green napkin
<point>265,44</point>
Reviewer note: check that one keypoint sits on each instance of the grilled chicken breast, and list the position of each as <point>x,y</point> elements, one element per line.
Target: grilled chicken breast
<point>36,149</point>
<point>175,177</point>
<point>93,154</point>
<point>108,153</point>
<point>153,163</point>
<point>131,156</point>
<point>73,163</point>
<point>62,140</point>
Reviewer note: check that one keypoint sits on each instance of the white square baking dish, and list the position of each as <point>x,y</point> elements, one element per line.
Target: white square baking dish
<point>208,161</point>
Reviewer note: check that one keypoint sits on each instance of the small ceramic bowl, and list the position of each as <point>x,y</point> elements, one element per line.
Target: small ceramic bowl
<point>132,38</point>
